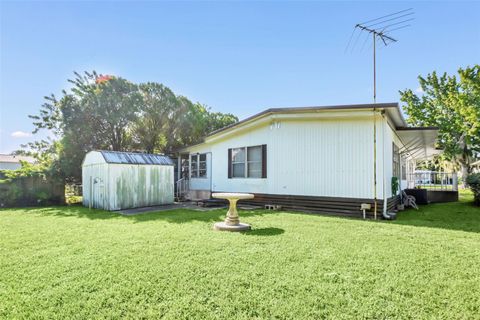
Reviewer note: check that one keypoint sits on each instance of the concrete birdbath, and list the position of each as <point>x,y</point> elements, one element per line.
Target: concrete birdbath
<point>232,222</point>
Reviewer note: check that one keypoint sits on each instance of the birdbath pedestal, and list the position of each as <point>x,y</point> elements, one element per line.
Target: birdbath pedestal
<point>232,222</point>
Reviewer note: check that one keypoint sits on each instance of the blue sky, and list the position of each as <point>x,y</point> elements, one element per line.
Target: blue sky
<point>238,57</point>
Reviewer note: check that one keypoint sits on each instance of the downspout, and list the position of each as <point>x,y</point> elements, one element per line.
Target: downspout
<point>374,127</point>
<point>210,170</point>
<point>374,163</point>
<point>385,214</point>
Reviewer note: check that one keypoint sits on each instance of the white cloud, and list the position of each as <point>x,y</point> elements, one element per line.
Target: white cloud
<point>20,134</point>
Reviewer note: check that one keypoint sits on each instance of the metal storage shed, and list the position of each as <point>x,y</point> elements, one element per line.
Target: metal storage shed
<point>120,180</point>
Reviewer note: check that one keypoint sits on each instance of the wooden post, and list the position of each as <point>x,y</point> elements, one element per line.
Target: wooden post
<point>91,194</point>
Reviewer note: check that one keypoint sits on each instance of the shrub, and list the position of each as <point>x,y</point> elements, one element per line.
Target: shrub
<point>394,185</point>
<point>30,185</point>
<point>473,181</point>
<point>70,200</point>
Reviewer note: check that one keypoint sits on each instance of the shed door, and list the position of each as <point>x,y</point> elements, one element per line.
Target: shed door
<point>98,194</point>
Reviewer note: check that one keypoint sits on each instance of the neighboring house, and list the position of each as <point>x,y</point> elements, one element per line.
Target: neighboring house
<point>12,162</point>
<point>423,177</point>
<point>121,180</point>
<point>311,158</point>
<point>476,166</point>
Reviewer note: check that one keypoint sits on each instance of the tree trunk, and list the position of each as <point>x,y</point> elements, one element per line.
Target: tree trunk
<point>464,163</point>
<point>464,173</point>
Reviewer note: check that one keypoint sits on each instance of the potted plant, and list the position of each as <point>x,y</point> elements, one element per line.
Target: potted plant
<point>395,188</point>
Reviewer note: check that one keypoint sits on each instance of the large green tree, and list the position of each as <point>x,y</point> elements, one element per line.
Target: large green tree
<point>94,114</point>
<point>451,103</point>
<point>193,122</point>
<point>111,113</point>
<point>155,119</point>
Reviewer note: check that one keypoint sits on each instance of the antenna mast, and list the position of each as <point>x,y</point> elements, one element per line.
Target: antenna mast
<point>380,28</point>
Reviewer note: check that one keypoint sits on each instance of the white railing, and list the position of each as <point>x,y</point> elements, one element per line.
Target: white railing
<point>433,180</point>
<point>181,188</point>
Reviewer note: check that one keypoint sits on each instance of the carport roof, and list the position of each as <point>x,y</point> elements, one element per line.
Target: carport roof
<point>419,142</point>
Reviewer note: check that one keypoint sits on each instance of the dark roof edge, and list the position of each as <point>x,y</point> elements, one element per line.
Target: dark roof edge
<point>300,109</point>
<point>306,109</point>
<point>416,128</point>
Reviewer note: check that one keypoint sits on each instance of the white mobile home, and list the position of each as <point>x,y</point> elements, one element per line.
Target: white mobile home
<point>121,180</point>
<point>326,159</point>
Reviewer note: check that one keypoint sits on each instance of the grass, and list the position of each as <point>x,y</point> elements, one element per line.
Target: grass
<point>69,262</point>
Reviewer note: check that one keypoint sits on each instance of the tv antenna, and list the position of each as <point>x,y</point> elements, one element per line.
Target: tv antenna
<point>380,29</point>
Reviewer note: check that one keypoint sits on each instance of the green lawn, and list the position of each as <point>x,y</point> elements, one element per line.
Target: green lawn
<point>69,262</point>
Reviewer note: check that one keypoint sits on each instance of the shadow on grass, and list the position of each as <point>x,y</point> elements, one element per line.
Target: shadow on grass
<point>264,232</point>
<point>459,216</point>
<point>188,215</point>
<point>173,216</point>
<point>70,212</point>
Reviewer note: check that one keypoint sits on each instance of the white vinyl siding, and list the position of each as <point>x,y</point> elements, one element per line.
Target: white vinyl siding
<point>320,157</point>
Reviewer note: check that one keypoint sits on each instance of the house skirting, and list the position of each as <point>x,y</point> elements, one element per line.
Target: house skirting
<point>325,205</point>
<point>425,196</point>
<point>392,203</point>
<point>435,196</point>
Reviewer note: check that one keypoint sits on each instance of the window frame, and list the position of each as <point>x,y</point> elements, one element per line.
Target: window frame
<point>246,162</point>
<point>196,163</point>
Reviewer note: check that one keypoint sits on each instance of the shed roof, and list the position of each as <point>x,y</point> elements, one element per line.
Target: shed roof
<point>135,158</point>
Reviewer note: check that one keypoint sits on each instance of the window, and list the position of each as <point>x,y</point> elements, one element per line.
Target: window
<point>254,162</point>
<point>247,162</point>
<point>198,165</point>
<point>396,161</point>
<point>238,163</point>
<point>202,165</point>
<point>404,168</point>
<point>194,165</point>
<point>185,168</point>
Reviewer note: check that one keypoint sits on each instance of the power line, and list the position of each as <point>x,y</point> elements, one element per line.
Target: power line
<point>395,29</point>
<point>397,23</point>
<point>388,15</point>
<point>350,40</point>
<point>356,40</point>
<point>392,19</point>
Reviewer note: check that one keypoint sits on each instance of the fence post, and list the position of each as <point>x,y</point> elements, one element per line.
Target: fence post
<point>90,194</point>
<point>454,182</point>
